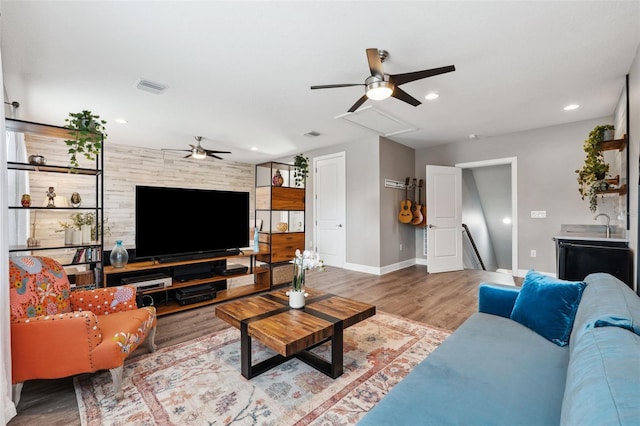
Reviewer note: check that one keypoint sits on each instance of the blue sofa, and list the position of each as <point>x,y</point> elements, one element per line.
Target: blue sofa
<point>495,371</point>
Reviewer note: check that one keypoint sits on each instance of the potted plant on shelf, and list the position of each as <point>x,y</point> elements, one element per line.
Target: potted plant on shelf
<point>88,132</point>
<point>591,177</point>
<point>301,170</point>
<point>79,219</point>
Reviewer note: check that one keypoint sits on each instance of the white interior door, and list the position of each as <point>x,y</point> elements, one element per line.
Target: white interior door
<point>329,208</point>
<point>444,219</point>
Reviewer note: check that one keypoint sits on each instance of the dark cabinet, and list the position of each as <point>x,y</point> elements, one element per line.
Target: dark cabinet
<point>578,258</point>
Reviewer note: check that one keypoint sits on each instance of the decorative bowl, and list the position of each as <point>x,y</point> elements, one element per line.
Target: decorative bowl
<point>37,160</point>
<point>282,226</point>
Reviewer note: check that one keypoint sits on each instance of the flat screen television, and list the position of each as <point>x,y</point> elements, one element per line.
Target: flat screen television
<point>177,223</point>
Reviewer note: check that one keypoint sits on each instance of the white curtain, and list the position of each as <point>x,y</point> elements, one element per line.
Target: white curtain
<point>17,184</point>
<point>7,408</point>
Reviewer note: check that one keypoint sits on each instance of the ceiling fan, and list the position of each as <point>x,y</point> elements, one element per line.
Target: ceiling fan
<point>380,86</point>
<point>198,152</point>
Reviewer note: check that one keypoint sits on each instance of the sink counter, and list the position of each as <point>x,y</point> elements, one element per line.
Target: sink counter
<point>586,236</point>
<point>591,233</point>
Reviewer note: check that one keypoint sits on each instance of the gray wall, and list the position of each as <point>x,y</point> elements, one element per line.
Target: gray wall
<point>396,162</point>
<point>494,189</point>
<point>547,160</point>
<point>634,150</point>
<point>473,216</point>
<point>362,199</point>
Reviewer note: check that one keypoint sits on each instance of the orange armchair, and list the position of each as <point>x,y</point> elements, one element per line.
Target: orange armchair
<point>59,333</point>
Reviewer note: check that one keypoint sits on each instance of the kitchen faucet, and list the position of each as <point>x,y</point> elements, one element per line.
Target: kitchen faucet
<point>608,229</point>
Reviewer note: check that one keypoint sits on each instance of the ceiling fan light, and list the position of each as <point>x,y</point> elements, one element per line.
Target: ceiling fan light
<point>379,90</point>
<point>198,154</point>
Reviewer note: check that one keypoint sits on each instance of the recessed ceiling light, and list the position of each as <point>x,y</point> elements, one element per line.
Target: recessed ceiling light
<point>473,136</point>
<point>571,107</point>
<point>254,148</point>
<point>431,96</point>
<point>120,121</point>
<point>506,221</point>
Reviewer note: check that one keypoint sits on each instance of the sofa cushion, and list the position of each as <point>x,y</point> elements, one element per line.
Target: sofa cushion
<point>491,371</point>
<point>548,306</point>
<point>603,379</point>
<point>607,301</point>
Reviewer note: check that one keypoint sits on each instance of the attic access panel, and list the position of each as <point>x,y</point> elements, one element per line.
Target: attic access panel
<point>377,121</point>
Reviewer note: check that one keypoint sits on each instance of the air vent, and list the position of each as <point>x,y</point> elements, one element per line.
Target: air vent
<point>150,86</point>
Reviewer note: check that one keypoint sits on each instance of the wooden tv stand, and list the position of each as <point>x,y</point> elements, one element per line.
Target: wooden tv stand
<point>164,300</point>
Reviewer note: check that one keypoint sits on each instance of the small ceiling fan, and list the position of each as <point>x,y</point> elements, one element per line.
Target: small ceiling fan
<point>380,86</point>
<point>198,152</point>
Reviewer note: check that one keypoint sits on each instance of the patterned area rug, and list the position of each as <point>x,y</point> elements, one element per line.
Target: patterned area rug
<point>199,382</point>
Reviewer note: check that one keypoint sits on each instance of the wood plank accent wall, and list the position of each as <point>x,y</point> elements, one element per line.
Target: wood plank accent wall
<point>125,167</point>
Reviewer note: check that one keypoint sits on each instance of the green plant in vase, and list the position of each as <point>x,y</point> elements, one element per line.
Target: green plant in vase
<point>592,175</point>
<point>88,132</point>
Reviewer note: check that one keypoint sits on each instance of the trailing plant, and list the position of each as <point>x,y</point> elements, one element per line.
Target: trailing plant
<point>88,132</point>
<point>301,170</point>
<point>79,219</point>
<point>591,177</point>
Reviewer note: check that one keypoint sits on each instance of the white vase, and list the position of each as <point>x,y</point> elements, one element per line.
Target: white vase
<point>297,298</point>
<point>68,236</point>
<point>77,237</point>
<point>86,234</point>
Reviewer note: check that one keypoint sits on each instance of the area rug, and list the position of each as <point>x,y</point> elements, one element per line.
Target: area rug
<point>199,382</point>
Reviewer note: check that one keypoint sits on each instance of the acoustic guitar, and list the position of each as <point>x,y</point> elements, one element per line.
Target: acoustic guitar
<point>421,218</point>
<point>416,209</point>
<point>405,215</point>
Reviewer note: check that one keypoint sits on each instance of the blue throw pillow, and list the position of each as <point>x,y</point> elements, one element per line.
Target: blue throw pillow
<point>548,306</point>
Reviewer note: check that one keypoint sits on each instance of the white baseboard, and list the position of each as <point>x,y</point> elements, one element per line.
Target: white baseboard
<point>384,269</point>
<point>523,272</point>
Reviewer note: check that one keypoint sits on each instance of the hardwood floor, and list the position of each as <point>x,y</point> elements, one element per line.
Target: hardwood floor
<point>442,300</point>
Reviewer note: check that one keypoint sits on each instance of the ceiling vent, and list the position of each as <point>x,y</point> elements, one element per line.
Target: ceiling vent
<point>377,121</point>
<point>150,86</point>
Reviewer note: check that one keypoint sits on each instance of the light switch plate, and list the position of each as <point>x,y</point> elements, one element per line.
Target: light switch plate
<point>538,214</point>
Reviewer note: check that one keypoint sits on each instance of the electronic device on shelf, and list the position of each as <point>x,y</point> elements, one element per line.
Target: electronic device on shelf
<point>195,294</point>
<point>234,269</point>
<point>180,223</point>
<point>149,282</point>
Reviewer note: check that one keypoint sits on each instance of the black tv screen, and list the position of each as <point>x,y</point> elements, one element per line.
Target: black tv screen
<point>178,222</point>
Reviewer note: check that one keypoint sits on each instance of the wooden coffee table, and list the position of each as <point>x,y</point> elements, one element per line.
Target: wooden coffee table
<point>293,332</point>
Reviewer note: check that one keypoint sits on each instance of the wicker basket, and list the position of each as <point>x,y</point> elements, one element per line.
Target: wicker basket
<point>281,274</point>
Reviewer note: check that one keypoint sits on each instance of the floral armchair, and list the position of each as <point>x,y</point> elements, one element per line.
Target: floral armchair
<point>58,333</point>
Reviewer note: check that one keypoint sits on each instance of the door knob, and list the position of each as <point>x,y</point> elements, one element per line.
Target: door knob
<point>339,225</point>
<point>431,226</point>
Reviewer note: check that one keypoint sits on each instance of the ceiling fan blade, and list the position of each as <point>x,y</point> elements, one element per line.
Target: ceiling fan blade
<point>398,93</point>
<point>179,150</point>
<point>209,154</point>
<point>209,151</point>
<point>375,64</point>
<point>399,79</point>
<point>358,103</point>
<point>187,156</point>
<point>333,86</point>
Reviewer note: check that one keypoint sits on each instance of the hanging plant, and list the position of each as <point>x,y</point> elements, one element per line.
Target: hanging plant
<point>591,178</point>
<point>88,132</point>
<point>301,170</point>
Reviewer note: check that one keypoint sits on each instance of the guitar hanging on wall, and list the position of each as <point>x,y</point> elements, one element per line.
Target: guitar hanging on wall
<point>420,207</point>
<point>416,209</point>
<point>405,215</point>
